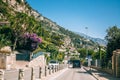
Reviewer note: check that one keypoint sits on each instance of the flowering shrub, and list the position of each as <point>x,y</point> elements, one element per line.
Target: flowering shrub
<point>31,41</point>
<point>32,37</point>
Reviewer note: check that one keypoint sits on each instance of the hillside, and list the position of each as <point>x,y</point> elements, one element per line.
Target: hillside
<point>23,19</point>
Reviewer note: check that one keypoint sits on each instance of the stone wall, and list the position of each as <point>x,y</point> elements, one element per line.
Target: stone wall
<point>8,61</point>
<point>39,61</point>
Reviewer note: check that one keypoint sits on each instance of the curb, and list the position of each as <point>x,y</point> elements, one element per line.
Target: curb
<point>91,73</point>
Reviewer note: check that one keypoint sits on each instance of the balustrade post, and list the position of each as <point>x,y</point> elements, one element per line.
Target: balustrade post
<point>1,74</point>
<point>45,71</point>
<point>56,68</point>
<point>53,70</point>
<point>32,74</point>
<point>21,74</point>
<point>40,72</point>
<point>49,71</point>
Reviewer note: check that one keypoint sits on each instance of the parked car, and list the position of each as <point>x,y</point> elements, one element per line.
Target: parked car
<point>53,64</point>
<point>74,64</point>
<point>70,64</point>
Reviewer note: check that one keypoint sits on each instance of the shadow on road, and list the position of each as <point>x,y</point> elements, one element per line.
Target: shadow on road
<point>82,72</point>
<point>100,75</point>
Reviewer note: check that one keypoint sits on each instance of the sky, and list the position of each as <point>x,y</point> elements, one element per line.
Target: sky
<point>76,15</point>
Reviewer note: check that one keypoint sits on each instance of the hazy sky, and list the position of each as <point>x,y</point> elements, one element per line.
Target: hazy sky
<point>75,15</point>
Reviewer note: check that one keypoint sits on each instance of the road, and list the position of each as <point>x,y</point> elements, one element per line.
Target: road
<point>75,74</point>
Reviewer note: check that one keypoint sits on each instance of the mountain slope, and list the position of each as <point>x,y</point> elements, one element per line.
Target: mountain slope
<point>96,40</point>
<point>22,18</point>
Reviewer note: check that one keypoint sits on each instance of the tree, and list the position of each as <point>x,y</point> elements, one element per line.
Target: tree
<point>113,38</point>
<point>60,56</point>
<point>90,52</point>
<point>82,52</point>
<point>5,40</point>
<point>53,50</point>
<point>96,55</point>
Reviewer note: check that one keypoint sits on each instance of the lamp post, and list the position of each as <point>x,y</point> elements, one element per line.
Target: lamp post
<point>88,60</point>
<point>100,55</point>
<point>86,42</point>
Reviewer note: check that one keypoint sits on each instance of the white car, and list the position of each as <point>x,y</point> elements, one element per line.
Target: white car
<point>70,64</point>
<point>53,64</point>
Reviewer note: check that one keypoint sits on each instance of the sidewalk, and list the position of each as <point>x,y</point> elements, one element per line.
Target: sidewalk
<point>100,75</point>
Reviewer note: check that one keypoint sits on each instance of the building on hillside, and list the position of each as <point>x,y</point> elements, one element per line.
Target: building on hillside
<point>4,23</point>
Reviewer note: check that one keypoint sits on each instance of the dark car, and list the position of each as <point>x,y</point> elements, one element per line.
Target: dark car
<point>75,63</point>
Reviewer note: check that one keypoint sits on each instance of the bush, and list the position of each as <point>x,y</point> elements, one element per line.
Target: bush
<point>29,41</point>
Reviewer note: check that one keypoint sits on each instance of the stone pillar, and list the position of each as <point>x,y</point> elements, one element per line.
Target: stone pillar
<point>2,61</point>
<point>116,63</point>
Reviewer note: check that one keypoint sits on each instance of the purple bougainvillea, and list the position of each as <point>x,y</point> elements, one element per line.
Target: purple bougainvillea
<point>31,41</point>
<point>32,37</point>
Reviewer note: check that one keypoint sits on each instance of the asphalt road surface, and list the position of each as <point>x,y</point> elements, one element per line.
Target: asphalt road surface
<point>75,74</point>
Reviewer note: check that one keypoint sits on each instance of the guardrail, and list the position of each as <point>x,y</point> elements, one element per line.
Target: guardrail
<point>29,73</point>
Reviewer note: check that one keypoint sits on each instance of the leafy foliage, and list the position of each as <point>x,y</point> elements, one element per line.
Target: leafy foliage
<point>4,38</point>
<point>19,1</point>
<point>29,42</point>
<point>56,39</point>
<point>60,56</point>
<point>82,52</point>
<point>113,38</point>
<point>21,23</point>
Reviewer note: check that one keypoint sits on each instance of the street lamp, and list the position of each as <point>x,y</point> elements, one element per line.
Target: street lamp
<point>86,41</point>
<point>87,57</point>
